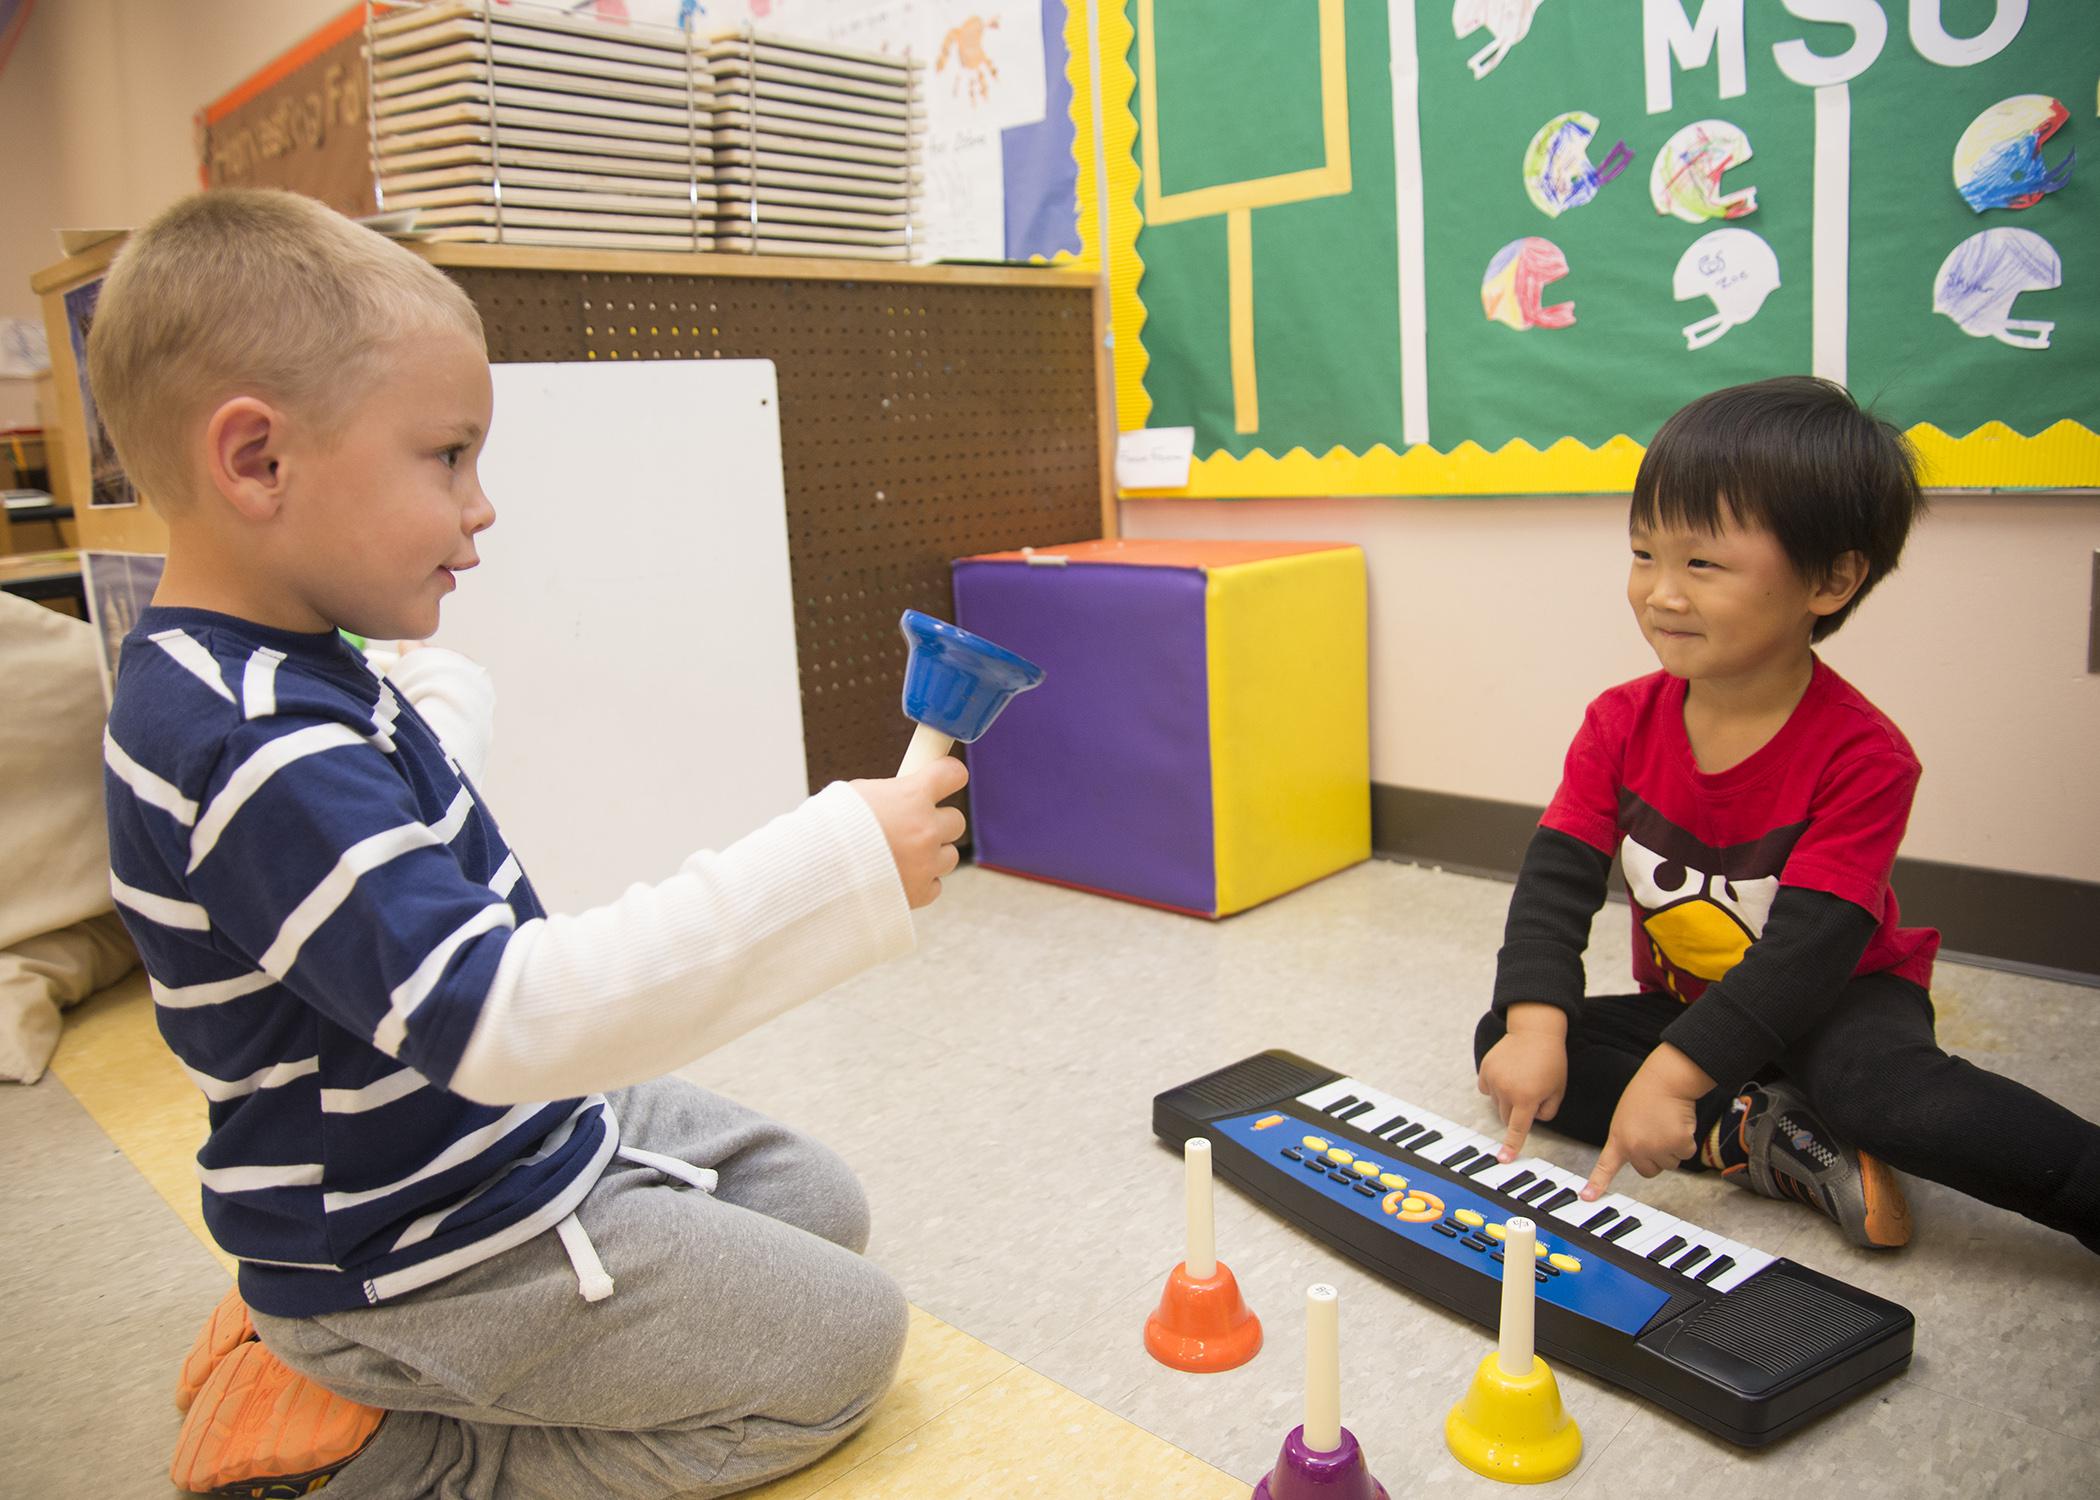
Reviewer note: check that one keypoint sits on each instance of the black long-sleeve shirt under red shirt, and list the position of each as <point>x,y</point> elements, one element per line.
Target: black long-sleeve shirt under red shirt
<point>1757,891</point>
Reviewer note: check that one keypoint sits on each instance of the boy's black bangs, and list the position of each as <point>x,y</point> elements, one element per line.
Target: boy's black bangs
<point>1692,478</point>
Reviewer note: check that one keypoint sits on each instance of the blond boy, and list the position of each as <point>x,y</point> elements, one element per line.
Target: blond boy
<point>488,1249</point>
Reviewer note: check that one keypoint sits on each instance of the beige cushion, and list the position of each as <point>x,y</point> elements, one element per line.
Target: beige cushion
<point>54,844</point>
<point>40,976</point>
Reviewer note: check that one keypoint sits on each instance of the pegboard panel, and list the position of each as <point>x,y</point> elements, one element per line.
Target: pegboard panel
<point>920,421</point>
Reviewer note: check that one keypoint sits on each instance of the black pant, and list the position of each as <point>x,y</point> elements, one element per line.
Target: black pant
<point>1879,1080</point>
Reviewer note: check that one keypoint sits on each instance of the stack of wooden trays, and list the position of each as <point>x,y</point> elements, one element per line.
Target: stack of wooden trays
<point>524,125</point>
<point>817,149</point>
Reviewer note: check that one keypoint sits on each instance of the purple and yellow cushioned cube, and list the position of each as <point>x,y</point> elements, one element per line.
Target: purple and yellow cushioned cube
<point>1201,740</point>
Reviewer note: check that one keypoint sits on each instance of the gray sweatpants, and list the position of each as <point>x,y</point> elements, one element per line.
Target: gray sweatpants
<point>746,1336</point>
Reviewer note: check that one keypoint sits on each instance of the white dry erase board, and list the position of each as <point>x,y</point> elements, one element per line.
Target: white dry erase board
<point>634,606</point>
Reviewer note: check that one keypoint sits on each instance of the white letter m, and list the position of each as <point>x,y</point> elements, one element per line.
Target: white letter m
<point>1665,32</point>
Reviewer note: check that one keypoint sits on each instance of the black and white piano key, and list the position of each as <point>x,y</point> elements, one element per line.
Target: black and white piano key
<point>1423,1132</point>
<point>1562,1178</point>
<point>1539,1185</point>
<point>1469,1160</point>
<point>1359,1103</point>
<point>1538,1192</point>
<point>1658,1228</point>
<point>1435,1123</point>
<point>1747,1262</point>
<point>1606,1212</point>
<point>1403,1126</point>
<point>1368,1108</point>
<point>1700,1250</point>
<point>1530,1180</point>
<point>1553,1192</point>
<point>1331,1093</point>
<point>1461,1146</point>
<point>1347,1093</point>
<point>1689,1260</point>
<point>1696,1250</point>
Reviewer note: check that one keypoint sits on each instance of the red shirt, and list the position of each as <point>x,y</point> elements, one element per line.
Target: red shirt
<point>1822,805</point>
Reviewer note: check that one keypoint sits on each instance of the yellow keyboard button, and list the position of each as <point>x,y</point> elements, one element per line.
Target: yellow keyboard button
<point>1421,1208</point>
<point>1538,1249</point>
<point>1392,1180</point>
<point>1469,1218</point>
<point>1368,1168</point>
<point>1566,1263</point>
<point>1496,1232</point>
<point>1340,1157</point>
<point>1313,1143</point>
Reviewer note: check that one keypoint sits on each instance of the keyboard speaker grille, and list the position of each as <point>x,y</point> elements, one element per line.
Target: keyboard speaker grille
<point>1259,1081</point>
<point>1777,1323</point>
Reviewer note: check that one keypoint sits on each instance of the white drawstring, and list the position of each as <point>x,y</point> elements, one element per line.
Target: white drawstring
<point>703,1178</point>
<point>591,1279</point>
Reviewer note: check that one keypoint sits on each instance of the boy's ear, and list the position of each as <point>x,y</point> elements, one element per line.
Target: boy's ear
<point>244,440</point>
<point>1845,578</point>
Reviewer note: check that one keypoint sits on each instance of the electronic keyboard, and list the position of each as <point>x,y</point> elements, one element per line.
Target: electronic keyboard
<point>1747,1345</point>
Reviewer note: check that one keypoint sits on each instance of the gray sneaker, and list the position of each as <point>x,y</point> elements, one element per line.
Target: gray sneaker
<point>1793,1155</point>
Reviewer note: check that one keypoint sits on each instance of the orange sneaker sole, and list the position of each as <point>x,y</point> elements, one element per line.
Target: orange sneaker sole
<point>256,1419</point>
<point>1888,1211</point>
<point>228,1327</point>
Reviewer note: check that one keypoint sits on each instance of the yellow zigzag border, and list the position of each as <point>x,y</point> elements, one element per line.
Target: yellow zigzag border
<point>2063,456</point>
<point>1119,153</point>
<point>1079,69</point>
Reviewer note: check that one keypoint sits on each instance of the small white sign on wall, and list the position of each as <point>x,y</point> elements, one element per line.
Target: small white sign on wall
<point>1154,458</point>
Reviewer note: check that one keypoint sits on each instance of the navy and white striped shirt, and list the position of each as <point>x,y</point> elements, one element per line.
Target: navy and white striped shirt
<point>321,902</point>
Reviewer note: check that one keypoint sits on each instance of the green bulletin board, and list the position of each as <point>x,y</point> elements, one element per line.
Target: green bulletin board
<point>1272,308</point>
<point>1622,366</point>
<point>1906,117</point>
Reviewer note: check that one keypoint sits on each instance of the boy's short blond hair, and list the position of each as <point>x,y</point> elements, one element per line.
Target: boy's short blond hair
<point>250,291</point>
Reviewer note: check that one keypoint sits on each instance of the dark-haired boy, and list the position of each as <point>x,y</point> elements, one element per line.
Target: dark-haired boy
<point>1783,1030</point>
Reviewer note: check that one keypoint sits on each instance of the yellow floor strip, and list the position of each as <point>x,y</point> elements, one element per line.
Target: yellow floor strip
<point>1027,1435</point>
<point>962,1420</point>
<point>943,1367</point>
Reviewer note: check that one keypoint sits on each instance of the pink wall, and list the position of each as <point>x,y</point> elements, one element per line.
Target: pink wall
<point>96,107</point>
<point>1494,621</point>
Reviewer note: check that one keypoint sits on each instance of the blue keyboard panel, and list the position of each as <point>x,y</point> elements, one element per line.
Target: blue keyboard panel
<point>1601,1291</point>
